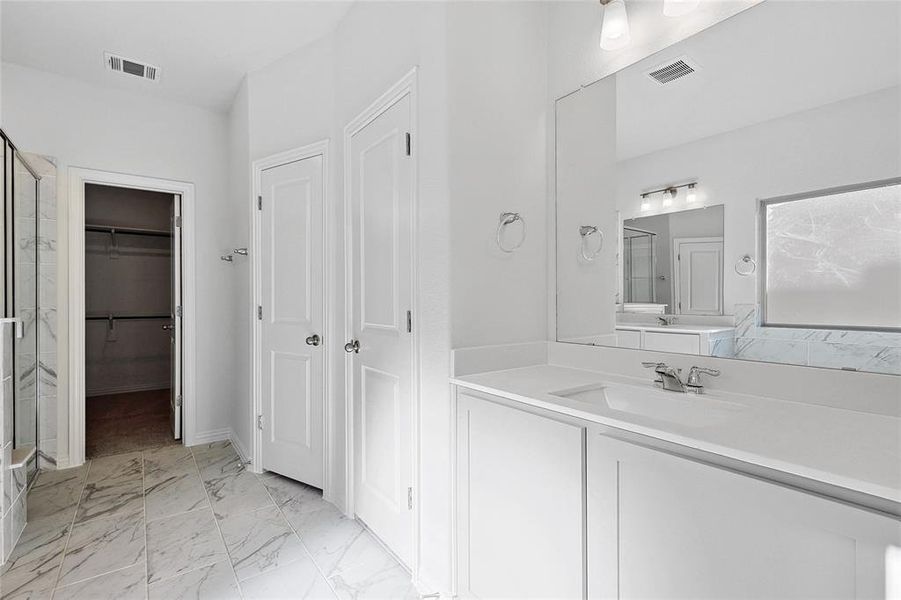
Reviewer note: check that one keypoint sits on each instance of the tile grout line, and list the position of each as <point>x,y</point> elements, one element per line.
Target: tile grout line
<point>218,528</point>
<point>299,537</point>
<point>62,558</point>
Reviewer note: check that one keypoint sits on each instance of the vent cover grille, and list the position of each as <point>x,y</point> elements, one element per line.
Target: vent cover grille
<point>672,71</point>
<point>127,66</point>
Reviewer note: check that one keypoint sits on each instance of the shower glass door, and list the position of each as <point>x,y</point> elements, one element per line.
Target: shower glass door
<point>24,302</point>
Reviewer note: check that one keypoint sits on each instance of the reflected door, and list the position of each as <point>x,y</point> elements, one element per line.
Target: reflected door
<point>292,281</point>
<point>382,293</point>
<point>698,272</point>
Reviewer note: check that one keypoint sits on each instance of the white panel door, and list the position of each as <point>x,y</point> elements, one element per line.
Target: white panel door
<point>520,502</point>
<point>175,328</point>
<point>382,293</point>
<point>292,283</point>
<point>698,276</point>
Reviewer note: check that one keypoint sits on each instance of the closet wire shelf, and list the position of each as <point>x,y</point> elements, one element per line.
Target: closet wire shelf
<point>128,231</point>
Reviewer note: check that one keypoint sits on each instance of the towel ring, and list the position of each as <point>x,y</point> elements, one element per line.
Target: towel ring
<point>743,270</point>
<point>508,218</point>
<point>586,231</point>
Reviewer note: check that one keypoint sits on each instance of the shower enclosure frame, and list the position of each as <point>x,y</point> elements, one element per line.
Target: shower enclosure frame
<point>12,157</point>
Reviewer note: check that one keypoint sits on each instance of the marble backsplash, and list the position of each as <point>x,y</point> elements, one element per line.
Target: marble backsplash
<point>874,351</point>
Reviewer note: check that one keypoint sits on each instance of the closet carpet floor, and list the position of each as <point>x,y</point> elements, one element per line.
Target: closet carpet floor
<point>180,522</point>
<point>119,423</point>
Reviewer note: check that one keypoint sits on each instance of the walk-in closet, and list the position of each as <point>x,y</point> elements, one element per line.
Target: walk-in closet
<point>131,299</point>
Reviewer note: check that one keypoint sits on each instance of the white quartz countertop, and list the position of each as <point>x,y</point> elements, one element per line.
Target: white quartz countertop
<point>849,449</point>
<point>710,329</point>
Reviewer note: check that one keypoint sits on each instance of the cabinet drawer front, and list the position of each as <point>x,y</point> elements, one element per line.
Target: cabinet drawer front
<point>520,498</point>
<point>685,343</point>
<point>626,338</point>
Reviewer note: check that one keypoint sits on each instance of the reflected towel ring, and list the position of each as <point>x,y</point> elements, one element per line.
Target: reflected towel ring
<point>746,265</point>
<point>586,231</point>
<point>508,218</point>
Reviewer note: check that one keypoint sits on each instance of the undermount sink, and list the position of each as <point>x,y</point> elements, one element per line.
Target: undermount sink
<point>673,407</point>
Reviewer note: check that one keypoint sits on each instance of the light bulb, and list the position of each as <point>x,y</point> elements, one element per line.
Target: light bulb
<point>691,196</point>
<point>615,28</point>
<point>645,205</point>
<point>677,8</point>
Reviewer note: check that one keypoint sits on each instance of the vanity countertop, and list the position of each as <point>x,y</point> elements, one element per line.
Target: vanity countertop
<point>708,329</point>
<point>853,450</point>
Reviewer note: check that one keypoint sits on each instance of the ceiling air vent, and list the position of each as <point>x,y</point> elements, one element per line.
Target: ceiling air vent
<point>673,70</point>
<point>127,66</point>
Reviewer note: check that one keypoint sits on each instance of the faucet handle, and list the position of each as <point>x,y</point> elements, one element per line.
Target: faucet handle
<point>694,375</point>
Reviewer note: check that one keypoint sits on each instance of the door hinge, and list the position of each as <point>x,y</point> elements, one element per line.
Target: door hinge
<point>178,221</point>
<point>259,203</point>
<point>260,422</point>
<point>178,311</point>
<point>178,400</point>
<point>678,257</point>
<point>410,498</point>
<point>260,313</point>
<point>409,142</point>
<point>409,321</point>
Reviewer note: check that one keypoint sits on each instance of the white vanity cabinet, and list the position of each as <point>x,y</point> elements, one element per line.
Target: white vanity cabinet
<point>662,526</point>
<point>683,343</point>
<point>520,499</point>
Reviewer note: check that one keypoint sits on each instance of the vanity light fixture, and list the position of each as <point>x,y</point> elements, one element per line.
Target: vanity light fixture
<point>691,197</point>
<point>669,194</point>
<point>615,27</point>
<point>677,8</point>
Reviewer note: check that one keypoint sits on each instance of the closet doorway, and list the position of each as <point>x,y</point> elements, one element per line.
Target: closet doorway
<point>132,333</point>
<point>130,314</point>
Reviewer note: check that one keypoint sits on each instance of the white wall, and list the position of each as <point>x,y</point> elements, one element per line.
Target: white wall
<point>87,126</point>
<point>497,86</point>
<point>239,201</point>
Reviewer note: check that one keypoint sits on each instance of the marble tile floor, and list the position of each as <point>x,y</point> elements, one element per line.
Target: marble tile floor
<point>179,522</point>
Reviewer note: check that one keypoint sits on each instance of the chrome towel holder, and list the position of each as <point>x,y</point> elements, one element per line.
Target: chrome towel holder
<point>508,218</point>
<point>586,231</point>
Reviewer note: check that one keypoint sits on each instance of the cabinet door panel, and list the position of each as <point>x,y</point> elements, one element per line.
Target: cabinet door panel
<point>685,343</point>
<point>520,503</point>
<point>689,530</point>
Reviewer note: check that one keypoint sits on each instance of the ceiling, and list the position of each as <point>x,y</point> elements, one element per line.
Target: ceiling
<point>771,60</point>
<point>203,49</point>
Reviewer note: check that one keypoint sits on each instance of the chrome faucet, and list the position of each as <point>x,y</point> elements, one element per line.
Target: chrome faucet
<point>693,384</point>
<point>667,377</point>
<point>666,320</point>
<point>670,378</point>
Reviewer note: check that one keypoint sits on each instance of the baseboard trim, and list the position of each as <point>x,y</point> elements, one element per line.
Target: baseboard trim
<point>125,389</point>
<point>214,435</point>
<point>243,454</point>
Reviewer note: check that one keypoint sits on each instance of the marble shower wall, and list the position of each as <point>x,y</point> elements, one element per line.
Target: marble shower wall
<point>12,480</point>
<point>875,351</point>
<point>46,374</point>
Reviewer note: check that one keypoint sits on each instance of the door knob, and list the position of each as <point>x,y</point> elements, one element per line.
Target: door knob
<point>314,340</point>
<point>168,327</point>
<point>352,346</point>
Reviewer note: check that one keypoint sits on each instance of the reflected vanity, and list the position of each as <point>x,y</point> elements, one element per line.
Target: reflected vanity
<point>752,204</point>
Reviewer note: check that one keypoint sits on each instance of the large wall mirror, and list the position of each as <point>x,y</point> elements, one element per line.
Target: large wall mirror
<point>738,194</point>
